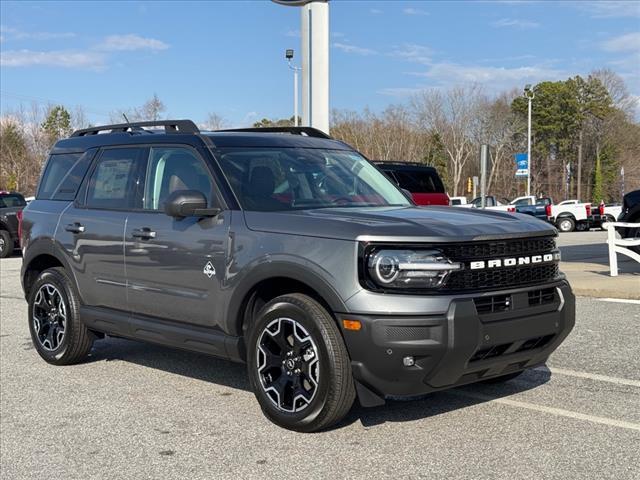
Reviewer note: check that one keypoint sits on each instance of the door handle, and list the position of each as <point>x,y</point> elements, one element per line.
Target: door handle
<point>74,228</point>
<point>144,233</point>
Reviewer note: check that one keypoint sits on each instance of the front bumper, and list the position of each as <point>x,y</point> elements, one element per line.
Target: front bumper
<point>477,338</point>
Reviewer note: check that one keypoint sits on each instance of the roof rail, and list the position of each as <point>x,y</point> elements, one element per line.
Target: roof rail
<point>307,131</point>
<point>170,126</point>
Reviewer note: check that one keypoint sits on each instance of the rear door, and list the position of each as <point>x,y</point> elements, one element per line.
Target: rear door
<point>91,230</point>
<point>175,267</point>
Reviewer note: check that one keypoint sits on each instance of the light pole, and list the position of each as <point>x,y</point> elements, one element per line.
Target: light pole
<point>528,92</point>
<point>314,32</point>
<point>289,56</point>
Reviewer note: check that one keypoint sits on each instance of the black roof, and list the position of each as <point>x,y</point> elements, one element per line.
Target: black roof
<point>185,131</point>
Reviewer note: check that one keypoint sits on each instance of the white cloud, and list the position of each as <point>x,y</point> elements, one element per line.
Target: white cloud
<point>375,11</point>
<point>10,33</point>
<point>60,58</point>
<point>414,53</point>
<point>610,8</point>
<point>293,33</point>
<point>399,91</point>
<point>516,23</point>
<point>130,42</point>
<point>500,77</point>
<point>629,42</point>
<point>414,11</point>
<point>347,48</point>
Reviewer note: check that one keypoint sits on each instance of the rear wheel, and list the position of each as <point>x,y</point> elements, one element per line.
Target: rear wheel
<point>566,224</point>
<point>298,365</point>
<point>6,244</point>
<point>582,226</point>
<point>54,320</point>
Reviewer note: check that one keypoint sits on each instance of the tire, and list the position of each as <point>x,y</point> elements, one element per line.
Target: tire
<point>57,332</point>
<point>6,244</point>
<point>311,388</point>
<point>566,224</point>
<point>503,378</point>
<point>632,233</point>
<point>582,226</point>
<point>608,218</point>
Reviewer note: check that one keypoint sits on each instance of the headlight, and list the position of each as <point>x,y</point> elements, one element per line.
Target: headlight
<point>409,269</point>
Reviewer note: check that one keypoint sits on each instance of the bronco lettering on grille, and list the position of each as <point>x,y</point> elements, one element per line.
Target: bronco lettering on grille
<point>515,261</point>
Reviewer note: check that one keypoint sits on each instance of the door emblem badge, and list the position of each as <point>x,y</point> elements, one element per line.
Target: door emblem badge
<point>209,270</point>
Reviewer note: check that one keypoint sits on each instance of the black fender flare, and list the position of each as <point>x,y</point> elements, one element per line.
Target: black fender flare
<point>44,246</point>
<point>278,269</point>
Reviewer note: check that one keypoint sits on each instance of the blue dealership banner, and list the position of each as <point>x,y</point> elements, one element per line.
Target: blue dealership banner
<point>522,164</point>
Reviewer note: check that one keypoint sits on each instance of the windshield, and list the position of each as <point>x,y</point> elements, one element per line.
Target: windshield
<point>273,179</point>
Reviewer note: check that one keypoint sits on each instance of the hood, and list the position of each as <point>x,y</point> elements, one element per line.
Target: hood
<point>419,224</point>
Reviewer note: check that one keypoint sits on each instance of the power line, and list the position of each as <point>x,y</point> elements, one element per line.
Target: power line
<point>50,101</point>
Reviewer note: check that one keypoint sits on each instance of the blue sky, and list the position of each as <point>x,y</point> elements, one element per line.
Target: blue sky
<point>228,57</point>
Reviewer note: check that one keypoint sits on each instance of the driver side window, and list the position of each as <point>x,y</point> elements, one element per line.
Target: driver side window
<point>171,169</point>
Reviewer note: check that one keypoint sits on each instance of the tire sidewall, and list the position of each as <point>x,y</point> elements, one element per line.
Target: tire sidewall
<point>7,248</point>
<point>58,280</point>
<point>565,221</point>
<point>284,309</point>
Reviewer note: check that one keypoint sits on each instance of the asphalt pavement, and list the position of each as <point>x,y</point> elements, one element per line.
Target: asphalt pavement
<point>137,411</point>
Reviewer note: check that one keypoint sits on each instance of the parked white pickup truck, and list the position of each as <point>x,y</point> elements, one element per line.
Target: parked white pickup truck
<point>571,215</point>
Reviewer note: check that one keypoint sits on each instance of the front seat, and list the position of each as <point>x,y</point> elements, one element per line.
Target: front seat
<point>259,190</point>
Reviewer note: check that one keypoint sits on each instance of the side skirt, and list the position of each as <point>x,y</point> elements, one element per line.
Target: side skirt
<point>171,334</point>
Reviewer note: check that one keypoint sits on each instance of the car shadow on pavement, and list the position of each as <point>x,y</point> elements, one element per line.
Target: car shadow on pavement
<point>234,375</point>
<point>188,364</point>
<point>438,403</point>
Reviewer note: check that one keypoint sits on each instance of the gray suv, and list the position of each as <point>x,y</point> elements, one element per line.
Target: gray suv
<point>289,251</point>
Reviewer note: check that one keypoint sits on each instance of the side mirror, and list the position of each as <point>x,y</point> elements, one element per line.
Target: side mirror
<point>188,203</point>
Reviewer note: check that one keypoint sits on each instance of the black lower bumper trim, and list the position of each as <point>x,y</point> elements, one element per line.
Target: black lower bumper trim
<point>457,347</point>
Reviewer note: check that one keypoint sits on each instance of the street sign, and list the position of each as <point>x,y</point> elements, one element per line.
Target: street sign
<point>522,165</point>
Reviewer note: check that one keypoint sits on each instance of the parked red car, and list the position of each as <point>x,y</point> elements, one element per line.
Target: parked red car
<point>421,181</point>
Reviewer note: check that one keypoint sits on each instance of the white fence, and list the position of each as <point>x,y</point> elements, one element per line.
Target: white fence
<point>620,245</point>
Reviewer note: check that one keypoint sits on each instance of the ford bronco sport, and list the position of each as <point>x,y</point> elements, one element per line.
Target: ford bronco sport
<point>288,250</point>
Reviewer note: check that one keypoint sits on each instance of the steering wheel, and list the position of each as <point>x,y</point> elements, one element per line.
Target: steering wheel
<point>342,200</point>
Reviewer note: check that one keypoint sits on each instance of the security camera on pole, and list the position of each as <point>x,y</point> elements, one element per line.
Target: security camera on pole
<point>314,29</point>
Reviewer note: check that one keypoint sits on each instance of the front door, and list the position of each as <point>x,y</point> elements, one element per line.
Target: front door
<point>175,266</point>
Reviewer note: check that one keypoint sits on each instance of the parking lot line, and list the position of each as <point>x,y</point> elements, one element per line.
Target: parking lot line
<point>551,410</point>
<point>620,300</point>
<point>591,376</point>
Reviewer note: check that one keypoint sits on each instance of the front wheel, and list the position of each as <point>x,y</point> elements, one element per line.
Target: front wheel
<point>298,365</point>
<point>566,224</point>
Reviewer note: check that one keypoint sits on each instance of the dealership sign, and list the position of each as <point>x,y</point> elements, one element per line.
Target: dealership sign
<point>522,165</point>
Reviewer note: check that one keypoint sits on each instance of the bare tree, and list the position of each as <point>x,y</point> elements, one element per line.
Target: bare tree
<point>499,127</point>
<point>214,122</point>
<point>153,109</point>
<point>453,116</point>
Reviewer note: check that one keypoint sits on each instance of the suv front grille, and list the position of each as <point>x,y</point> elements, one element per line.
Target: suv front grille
<point>499,248</point>
<point>501,277</point>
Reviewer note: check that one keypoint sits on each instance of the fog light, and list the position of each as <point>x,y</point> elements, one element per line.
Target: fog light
<point>408,361</point>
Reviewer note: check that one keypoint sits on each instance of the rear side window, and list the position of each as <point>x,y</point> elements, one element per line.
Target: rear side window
<point>419,181</point>
<point>12,200</point>
<point>60,168</point>
<point>115,181</point>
